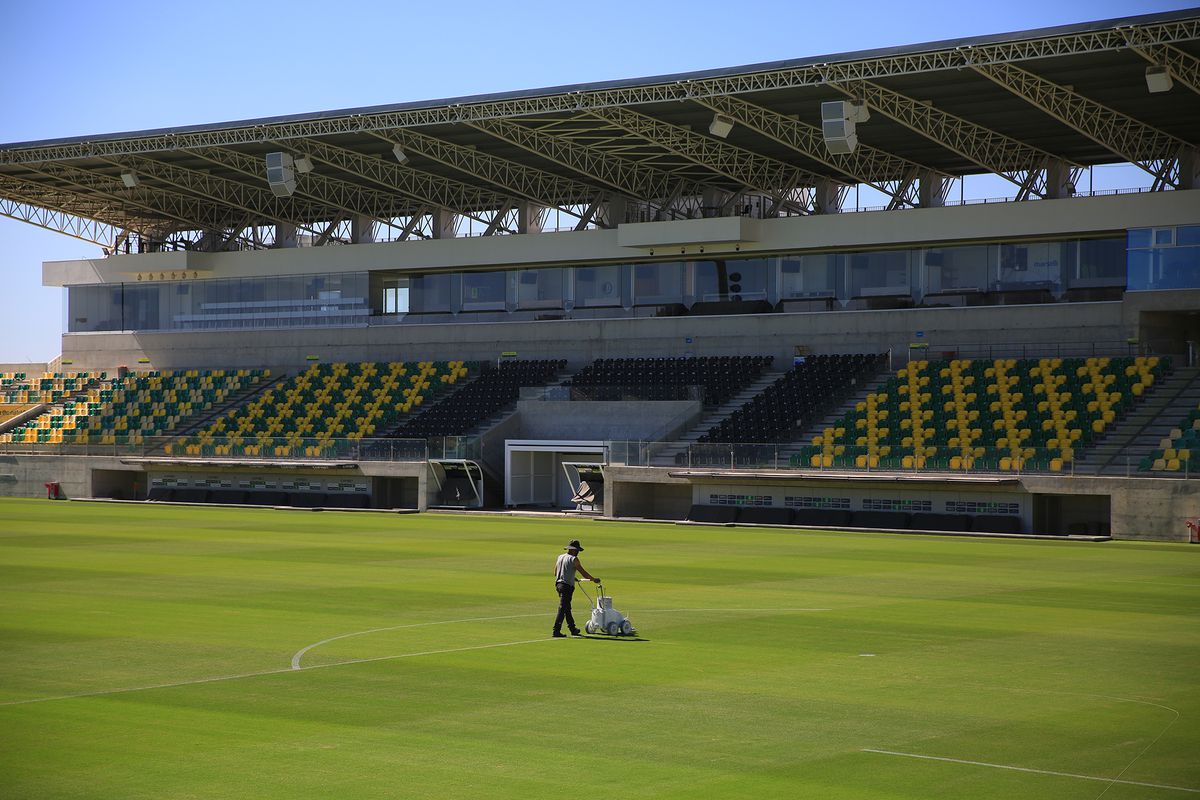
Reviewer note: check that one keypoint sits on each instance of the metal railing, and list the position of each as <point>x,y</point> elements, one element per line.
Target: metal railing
<point>254,449</point>
<point>801,458</point>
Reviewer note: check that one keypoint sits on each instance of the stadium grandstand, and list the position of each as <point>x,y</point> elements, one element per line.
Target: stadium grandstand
<point>755,295</point>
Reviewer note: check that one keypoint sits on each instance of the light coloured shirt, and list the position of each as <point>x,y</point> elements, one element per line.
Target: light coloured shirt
<point>564,569</point>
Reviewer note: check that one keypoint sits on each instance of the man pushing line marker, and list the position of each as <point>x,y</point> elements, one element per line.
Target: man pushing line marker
<point>564,583</point>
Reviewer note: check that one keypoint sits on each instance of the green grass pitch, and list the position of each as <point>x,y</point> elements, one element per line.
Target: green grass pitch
<point>146,652</point>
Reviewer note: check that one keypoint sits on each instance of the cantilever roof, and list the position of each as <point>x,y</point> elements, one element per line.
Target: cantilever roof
<point>1010,104</point>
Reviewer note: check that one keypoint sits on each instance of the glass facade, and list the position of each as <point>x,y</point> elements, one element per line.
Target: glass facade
<point>1164,258</point>
<point>995,273</point>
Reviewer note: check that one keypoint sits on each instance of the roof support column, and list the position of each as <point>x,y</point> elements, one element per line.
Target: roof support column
<point>614,211</point>
<point>442,223</point>
<point>932,188</point>
<point>285,234</point>
<point>530,217</point>
<point>362,229</point>
<point>1189,168</point>
<point>1058,179</point>
<point>828,199</point>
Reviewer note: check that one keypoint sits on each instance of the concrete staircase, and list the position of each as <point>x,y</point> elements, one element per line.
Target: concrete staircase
<point>711,417</point>
<point>1141,431</point>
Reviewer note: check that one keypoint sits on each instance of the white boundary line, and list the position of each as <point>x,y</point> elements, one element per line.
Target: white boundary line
<point>1109,781</point>
<point>299,654</point>
<point>279,671</point>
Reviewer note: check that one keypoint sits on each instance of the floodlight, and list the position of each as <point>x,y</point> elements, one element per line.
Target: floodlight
<point>720,126</point>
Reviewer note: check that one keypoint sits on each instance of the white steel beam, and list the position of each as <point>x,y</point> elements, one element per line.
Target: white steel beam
<point>951,57</point>
<point>1007,157</point>
<point>774,178</point>
<point>887,173</point>
<point>1155,151</point>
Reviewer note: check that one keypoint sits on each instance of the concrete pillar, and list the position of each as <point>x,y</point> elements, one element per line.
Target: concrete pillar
<point>827,197</point>
<point>285,234</point>
<point>931,190</point>
<point>1058,179</point>
<point>614,211</point>
<point>443,223</point>
<point>1189,168</point>
<point>362,229</point>
<point>529,217</point>
<point>712,202</point>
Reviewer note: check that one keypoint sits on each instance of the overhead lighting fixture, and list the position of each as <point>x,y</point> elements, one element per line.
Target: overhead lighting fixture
<point>839,125</point>
<point>304,164</point>
<point>720,126</point>
<point>280,176</point>
<point>1158,79</point>
<point>399,153</point>
<point>130,179</point>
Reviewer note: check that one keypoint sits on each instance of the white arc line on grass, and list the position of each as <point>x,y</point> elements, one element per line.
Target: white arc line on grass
<point>299,655</point>
<point>280,671</point>
<point>1035,771</point>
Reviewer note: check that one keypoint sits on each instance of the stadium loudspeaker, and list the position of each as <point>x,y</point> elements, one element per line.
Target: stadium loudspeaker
<point>839,121</point>
<point>1158,79</point>
<point>399,153</point>
<point>280,176</point>
<point>720,126</point>
<point>130,179</point>
<point>304,165</point>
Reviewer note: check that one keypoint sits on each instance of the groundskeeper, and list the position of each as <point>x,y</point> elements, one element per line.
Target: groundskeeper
<point>565,569</point>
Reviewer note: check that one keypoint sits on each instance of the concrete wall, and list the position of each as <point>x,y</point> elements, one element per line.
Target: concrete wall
<point>26,476</point>
<point>582,341</point>
<point>1090,215</point>
<point>601,421</point>
<point>28,367</point>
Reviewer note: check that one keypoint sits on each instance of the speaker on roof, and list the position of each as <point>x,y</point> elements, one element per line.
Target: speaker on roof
<point>1158,79</point>
<point>839,124</point>
<point>280,176</point>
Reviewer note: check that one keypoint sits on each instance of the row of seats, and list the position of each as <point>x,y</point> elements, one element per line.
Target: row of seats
<point>133,406</point>
<point>838,518</point>
<point>20,388</point>
<point>480,399</point>
<point>1003,414</point>
<point>803,392</point>
<point>260,498</point>
<point>662,378</point>
<point>1175,451</point>
<point>324,403</point>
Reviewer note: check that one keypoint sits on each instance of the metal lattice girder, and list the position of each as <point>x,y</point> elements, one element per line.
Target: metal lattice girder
<point>785,77</point>
<point>515,179</point>
<point>1184,67</point>
<point>37,212</point>
<point>627,177</point>
<point>345,198</point>
<point>1009,158</point>
<point>26,191</point>
<point>771,176</point>
<point>191,214</point>
<point>412,184</point>
<point>887,173</point>
<point>1140,144</point>
<point>230,193</point>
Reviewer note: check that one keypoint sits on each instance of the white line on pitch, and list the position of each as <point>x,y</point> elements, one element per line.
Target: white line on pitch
<point>1036,771</point>
<point>279,671</point>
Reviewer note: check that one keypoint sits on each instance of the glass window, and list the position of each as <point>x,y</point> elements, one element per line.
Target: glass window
<point>810,276</point>
<point>540,288</point>
<point>1139,237</point>
<point>740,279</point>
<point>1101,263</point>
<point>1187,235</point>
<point>956,269</point>
<point>597,286</point>
<point>430,294</point>
<point>1164,236</point>
<point>879,274</point>
<point>658,284</point>
<point>1030,266</point>
<point>483,291</point>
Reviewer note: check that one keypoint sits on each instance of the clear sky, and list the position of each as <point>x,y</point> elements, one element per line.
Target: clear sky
<point>81,67</point>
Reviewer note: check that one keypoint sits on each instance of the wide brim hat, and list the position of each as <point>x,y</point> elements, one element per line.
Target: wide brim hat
<point>574,545</point>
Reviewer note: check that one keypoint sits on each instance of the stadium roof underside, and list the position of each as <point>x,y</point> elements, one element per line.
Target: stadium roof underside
<point>1033,107</point>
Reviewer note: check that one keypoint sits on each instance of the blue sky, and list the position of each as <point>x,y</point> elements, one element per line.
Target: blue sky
<point>76,68</point>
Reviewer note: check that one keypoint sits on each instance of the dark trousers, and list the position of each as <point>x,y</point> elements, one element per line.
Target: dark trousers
<point>565,591</point>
